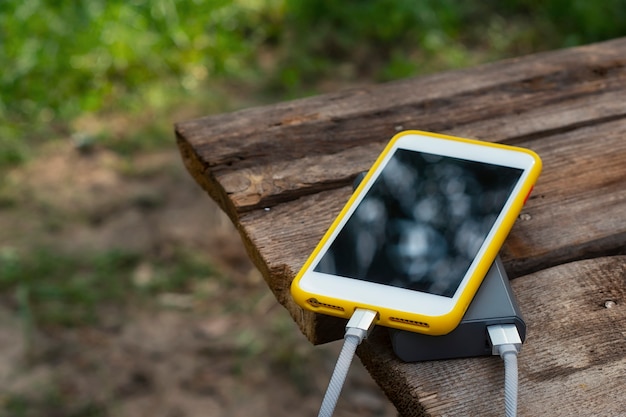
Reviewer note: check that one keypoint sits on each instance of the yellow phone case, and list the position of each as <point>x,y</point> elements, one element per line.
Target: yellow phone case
<point>433,325</point>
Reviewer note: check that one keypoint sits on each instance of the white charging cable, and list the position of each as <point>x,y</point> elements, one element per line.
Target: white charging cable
<point>358,328</point>
<point>506,342</point>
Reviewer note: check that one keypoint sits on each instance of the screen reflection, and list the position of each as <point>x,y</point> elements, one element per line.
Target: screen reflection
<point>421,223</point>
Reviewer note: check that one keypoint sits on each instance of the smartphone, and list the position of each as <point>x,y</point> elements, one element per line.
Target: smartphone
<point>420,232</point>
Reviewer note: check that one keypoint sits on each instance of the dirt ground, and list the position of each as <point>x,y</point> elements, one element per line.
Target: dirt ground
<point>228,349</point>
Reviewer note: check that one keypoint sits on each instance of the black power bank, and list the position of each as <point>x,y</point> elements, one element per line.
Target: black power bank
<point>494,303</point>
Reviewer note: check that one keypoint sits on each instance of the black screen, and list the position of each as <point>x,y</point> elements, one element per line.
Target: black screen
<point>421,223</point>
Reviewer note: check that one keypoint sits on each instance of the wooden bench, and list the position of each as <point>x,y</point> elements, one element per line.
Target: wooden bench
<point>283,172</point>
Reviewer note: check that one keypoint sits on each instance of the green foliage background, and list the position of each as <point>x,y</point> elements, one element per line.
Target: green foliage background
<point>61,59</point>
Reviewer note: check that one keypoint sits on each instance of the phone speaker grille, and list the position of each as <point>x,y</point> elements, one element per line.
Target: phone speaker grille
<point>410,322</point>
<point>315,303</point>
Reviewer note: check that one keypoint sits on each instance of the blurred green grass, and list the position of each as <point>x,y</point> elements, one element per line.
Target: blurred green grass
<point>64,59</point>
<point>62,289</point>
<point>128,67</point>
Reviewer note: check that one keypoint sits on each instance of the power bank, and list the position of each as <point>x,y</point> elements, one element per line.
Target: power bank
<point>494,303</point>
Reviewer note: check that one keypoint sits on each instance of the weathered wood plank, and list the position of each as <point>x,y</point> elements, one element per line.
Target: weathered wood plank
<point>578,208</point>
<point>268,184</point>
<point>573,361</point>
<point>260,157</point>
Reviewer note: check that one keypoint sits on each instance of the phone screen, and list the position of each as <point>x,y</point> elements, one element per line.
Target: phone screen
<point>421,223</point>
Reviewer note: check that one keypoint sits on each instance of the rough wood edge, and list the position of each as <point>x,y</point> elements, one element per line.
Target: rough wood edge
<point>198,170</point>
<point>397,378</point>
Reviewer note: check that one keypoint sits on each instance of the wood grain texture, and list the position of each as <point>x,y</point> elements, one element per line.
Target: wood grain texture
<point>283,172</point>
<point>264,156</point>
<point>572,363</point>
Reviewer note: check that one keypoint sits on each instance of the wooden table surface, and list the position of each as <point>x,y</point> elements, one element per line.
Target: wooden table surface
<point>283,172</point>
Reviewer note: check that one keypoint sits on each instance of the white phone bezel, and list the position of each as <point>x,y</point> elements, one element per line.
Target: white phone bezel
<point>401,299</point>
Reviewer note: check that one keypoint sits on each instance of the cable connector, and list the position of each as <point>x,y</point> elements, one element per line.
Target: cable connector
<point>358,328</point>
<point>504,338</point>
<point>361,323</point>
<point>506,342</point>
